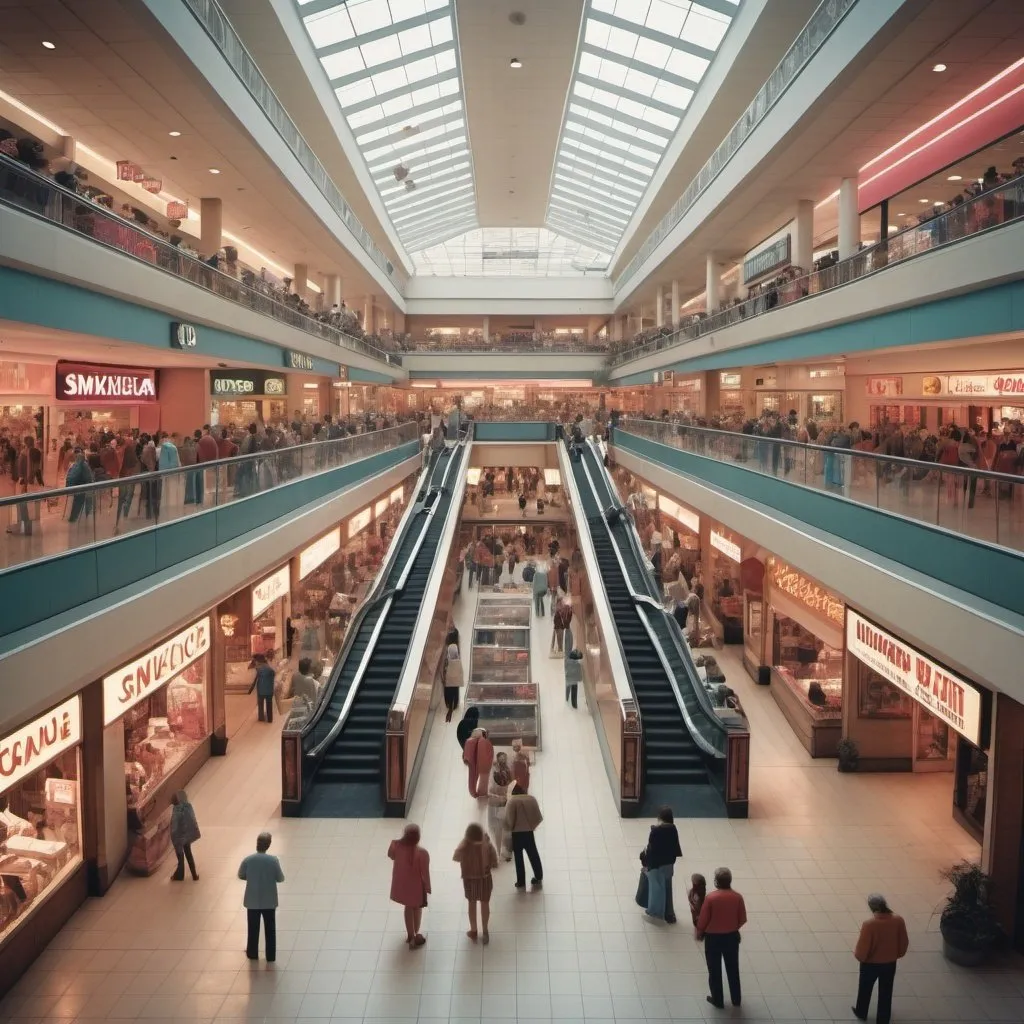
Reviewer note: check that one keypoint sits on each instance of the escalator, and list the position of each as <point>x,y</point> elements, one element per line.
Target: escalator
<point>684,741</point>
<point>343,743</point>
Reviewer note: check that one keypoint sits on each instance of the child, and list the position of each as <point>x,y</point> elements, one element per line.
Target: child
<point>477,857</point>
<point>698,891</point>
<point>410,880</point>
<point>520,766</point>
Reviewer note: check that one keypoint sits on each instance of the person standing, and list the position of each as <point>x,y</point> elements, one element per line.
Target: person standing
<point>882,941</point>
<point>78,475</point>
<point>520,765</point>
<point>522,817</point>
<point>304,686</point>
<point>410,880</point>
<point>721,918</point>
<point>464,730</point>
<point>262,874</point>
<point>540,589</point>
<point>484,762</point>
<point>453,680</point>
<point>560,620</point>
<point>659,858</point>
<point>573,676</point>
<point>477,858</point>
<point>497,797</point>
<point>184,832</point>
<point>264,686</point>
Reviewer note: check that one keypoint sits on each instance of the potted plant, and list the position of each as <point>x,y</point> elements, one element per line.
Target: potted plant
<point>848,754</point>
<point>968,923</point>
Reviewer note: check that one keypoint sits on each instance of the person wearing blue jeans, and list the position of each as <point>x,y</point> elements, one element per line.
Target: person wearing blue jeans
<point>659,858</point>
<point>79,473</point>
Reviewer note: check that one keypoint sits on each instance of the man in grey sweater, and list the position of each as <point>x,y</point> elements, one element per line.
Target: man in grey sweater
<point>261,873</point>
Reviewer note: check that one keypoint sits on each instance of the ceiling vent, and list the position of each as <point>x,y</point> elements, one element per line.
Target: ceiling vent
<point>401,172</point>
<point>410,185</point>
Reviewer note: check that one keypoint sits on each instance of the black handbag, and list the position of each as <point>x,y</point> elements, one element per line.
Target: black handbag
<point>642,889</point>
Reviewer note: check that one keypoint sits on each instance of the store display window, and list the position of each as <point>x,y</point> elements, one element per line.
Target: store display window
<point>811,668</point>
<point>878,698</point>
<point>40,812</point>
<point>725,592</point>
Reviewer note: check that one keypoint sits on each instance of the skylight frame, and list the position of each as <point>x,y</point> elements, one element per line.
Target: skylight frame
<point>379,98</point>
<point>638,66</point>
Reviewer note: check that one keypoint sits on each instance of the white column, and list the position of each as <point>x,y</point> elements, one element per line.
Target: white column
<point>849,219</point>
<point>803,237</point>
<point>300,278</point>
<point>675,303</point>
<point>659,308</point>
<point>487,328</point>
<point>210,226</point>
<point>369,318</point>
<point>616,328</point>
<point>332,290</point>
<point>712,282</point>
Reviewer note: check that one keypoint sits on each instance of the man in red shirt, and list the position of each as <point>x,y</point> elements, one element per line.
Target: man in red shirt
<point>719,924</point>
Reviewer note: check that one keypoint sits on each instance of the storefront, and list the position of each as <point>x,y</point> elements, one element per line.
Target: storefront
<point>680,532</point>
<point>906,712</point>
<point>240,397</point>
<point>254,621</point>
<point>801,651</point>
<point>723,588</point>
<point>90,399</point>
<point>158,709</point>
<point>41,855</point>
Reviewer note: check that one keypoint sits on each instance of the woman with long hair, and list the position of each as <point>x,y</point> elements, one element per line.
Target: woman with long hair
<point>477,858</point>
<point>410,880</point>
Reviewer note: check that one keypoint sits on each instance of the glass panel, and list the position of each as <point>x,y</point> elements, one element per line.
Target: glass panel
<point>933,738</point>
<point>809,667</point>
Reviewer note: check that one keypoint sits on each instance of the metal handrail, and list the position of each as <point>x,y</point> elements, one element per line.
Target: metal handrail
<point>896,249</point>
<point>638,599</point>
<point>409,430</point>
<point>56,204</point>
<point>223,35</point>
<point>819,28</point>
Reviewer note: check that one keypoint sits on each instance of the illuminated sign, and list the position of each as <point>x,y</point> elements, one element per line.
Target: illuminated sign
<point>945,695</point>
<point>997,385</point>
<point>396,495</point>
<point>115,385</point>
<point>319,551</point>
<point>806,591</point>
<point>726,546</point>
<point>689,519</point>
<point>729,381</point>
<point>26,750</point>
<point>124,688</point>
<point>184,336</point>
<point>266,593</point>
<point>360,521</point>
<point>246,384</point>
<point>381,507</point>
<point>775,255</point>
<point>298,360</point>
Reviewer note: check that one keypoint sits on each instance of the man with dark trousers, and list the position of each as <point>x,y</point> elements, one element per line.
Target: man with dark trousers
<point>262,874</point>
<point>719,924</point>
<point>882,941</point>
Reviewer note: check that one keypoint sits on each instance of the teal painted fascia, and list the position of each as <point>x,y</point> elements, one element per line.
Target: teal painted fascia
<point>988,572</point>
<point>36,591</point>
<point>360,376</point>
<point>976,314</point>
<point>496,430</point>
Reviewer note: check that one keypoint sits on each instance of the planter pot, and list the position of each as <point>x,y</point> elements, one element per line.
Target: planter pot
<point>958,949</point>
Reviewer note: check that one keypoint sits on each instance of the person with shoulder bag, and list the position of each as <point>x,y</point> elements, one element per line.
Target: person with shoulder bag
<point>184,832</point>
<point>659,858</point>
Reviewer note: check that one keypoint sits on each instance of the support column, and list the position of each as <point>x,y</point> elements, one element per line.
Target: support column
<point>332,291</point>
<point>675,303</point>
<point>210,226</point>
<point>659,308</point>
<point>803,237</point>
<point>369,317</point>
<point>711,284</point>
<point>883,213</point>
<point>300,278</point>
<point>616,328</point>
<point>487,328</point>
<point>849,219</point>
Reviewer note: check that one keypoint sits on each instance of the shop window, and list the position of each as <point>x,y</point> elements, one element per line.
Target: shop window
<point>40,837</point>
<point>880,699</point>
<point>828,406</point>
<point>811,668</point>
<point>971,793</point>
<point>163,730</point>
<point>931,740</point>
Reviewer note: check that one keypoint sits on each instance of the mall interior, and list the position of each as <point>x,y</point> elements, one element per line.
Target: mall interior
<point>638,381</point>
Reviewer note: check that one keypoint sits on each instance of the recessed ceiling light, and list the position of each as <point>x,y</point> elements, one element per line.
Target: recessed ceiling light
<point>924,200</point>
<point>955,177</point>
<point>894,227</point>
<point>515,63</point>
<point>939,67</point>
<point>981,181</point>
<point>48,45</point>
<point>940,203</point>
<point>901,215</point>
<point>174,135</point>
<point>215,170</point>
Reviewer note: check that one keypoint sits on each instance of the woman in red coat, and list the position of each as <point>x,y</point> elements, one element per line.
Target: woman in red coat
<point>410,880</point>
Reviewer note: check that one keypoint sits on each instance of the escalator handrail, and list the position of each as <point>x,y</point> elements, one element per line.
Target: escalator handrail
<point>638,601</point>
<point>374,597</point>
<point>353,690</point>
<point>681,647</point>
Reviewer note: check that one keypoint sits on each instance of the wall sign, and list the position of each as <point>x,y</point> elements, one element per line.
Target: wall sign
<point>396,495</point>
<point>794,583</point>
<point>883,387</point>
<point>726,546</point>
<point>266,593</point>
<point>184,335</point>
<point>124,688</point>
<point>247,384</point>
<point>995,385</point>
<point>298,360</point>
<point>729,381</point>
<point>945,695</point>
<point>689,519</point>
<point>319,551</point>
<point>33,746</point>
<point>112,385</point>
<point>692,384</point>
<point>775,255</point>
<point>380,508</point>
<point>360,521</point>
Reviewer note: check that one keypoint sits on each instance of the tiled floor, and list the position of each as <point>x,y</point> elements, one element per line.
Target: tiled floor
<point>815,844</point>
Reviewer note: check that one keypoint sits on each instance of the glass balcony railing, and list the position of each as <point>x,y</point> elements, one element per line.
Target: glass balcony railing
<point>45,523</point>
<point>995,208</point>
<point>976,503</point>
<point>209,14</point>
<point>812,37</point>
<point>39,195</point>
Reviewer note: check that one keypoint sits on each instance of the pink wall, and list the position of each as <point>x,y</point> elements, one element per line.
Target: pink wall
<point>184,399</point>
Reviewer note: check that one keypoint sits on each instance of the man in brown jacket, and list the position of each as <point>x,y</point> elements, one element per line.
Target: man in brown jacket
<point>882,941</point>
<point>522,816</point>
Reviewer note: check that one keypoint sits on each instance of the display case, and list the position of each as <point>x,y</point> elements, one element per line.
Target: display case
<point>499,682</point>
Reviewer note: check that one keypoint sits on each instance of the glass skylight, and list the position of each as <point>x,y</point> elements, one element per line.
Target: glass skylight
<point>505,252</point>
<point>394,68</point>
<point>638,65</point>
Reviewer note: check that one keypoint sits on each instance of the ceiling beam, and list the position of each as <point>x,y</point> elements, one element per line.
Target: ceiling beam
<point>573,209</point>
<point>426,196</point>
<point>658,74</point>
<point>570,186</point>
<point>415,146</point>
<point>596,163</point>
<point>649,33</point>
<point>627,94</point>
<point>402,117</point>
<point>434,219</point>
<point>439,237</point>
<point>391,65</point>
<point>424,125</point>
<point>584,128</point>
<point>584,172</point>
<point>394,94</point>
<point>425,168</point>
<point>377,33</point>
<point>587,209</point>
<point>618,115</point>
<point>407,218</point>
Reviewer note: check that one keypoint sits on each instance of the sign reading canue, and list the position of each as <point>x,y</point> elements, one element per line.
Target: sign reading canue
<point>33,746</point>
